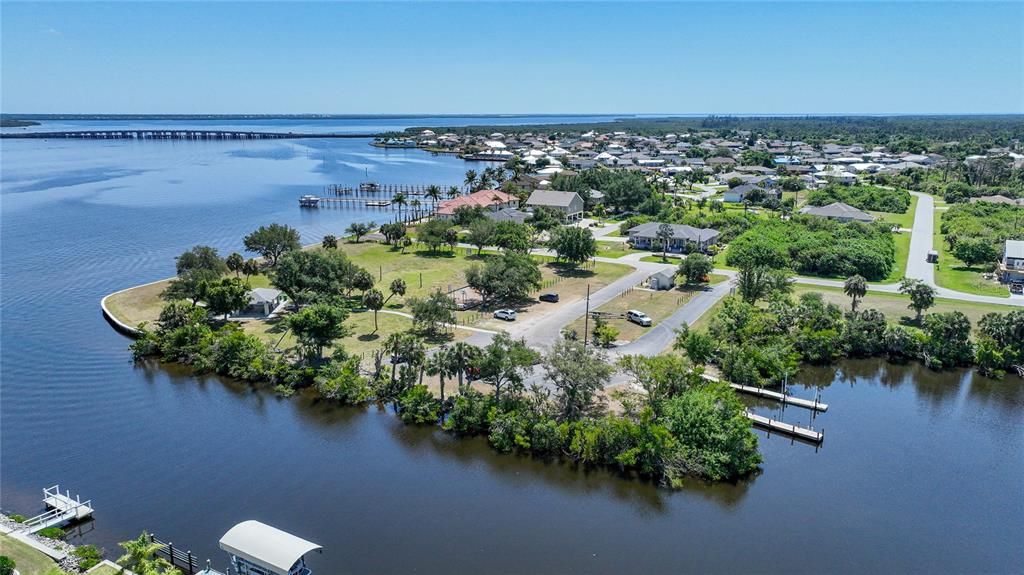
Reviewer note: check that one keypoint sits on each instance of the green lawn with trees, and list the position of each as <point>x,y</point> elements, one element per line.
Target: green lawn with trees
<point>969,238</point>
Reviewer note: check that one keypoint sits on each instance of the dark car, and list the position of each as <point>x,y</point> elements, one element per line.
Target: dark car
<point>550,297</point>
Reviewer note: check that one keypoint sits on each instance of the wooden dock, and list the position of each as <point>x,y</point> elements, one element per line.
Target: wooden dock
<point>772,425</point>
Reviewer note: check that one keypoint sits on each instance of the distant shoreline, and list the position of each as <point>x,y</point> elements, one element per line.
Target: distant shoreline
<point>12,123</point>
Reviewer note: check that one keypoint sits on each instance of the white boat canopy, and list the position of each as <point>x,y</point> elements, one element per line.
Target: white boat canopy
<point>266,546</point>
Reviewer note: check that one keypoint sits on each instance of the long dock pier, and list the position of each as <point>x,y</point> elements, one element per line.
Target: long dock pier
<point>813,405</point>
<point>801,433</point>
<point>172,135</point>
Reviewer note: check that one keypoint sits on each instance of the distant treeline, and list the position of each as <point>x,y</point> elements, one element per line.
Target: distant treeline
<point>881,130</point>
<point>12,123</point>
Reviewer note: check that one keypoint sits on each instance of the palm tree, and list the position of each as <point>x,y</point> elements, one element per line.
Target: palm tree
<point>461,356</point>
<point>441,365</point>
<point>484,180</point>
<point>470,180</point>
<point>139,556</point>
<point>399,200</point>
<point>664,234</point>
<point>415,204</point>
<point>453,192</point>
<point>856,287</point>
<point>433,193</point>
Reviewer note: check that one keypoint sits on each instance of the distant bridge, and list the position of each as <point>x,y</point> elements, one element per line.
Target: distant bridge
<point>173,135</point>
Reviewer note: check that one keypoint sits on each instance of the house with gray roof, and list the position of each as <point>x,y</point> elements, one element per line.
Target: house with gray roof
<point>838,211</point>
<point>570,204</point>
<point>1011,267</point>
<point>684,238</point>
<point>509,215</point>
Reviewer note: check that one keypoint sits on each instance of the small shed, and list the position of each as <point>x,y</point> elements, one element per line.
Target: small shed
<point>663,280</point>
<point>259,549</point>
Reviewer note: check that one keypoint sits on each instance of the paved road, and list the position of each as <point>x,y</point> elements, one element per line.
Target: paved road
<point>921,240</point>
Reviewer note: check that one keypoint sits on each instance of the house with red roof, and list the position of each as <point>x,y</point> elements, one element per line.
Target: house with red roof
<point>493,200</point>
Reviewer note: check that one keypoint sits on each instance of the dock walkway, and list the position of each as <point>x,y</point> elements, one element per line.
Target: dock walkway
<point>61,509</point>
<point>784,428</point>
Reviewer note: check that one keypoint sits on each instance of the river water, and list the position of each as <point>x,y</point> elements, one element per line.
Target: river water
<point>920,471</point>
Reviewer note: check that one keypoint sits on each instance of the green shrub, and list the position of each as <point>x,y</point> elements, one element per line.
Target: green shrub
<point>7,565</point>
<point>88,556</point>
<point>418,405</point>
<point>17,518</point>
<point>51,533</point>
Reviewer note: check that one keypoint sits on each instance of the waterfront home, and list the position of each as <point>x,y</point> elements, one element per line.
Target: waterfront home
<point>264,300</point>
<point>1011,267</point>
<point>259,549</point>
<point>684,238</point>
<point>493,200</point>
<point>838,211</point>
<point>570,204</point>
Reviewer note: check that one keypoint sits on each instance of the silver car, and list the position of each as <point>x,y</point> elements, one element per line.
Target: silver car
<point>506,314</point>
<point>639,318</point>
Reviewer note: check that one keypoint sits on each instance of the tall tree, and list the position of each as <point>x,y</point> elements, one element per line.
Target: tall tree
<point>235,262</point>
<point>329,242</point>
<point>441,365</point>
<point>922,295</point>
<point>317,326</point>
<point>573,245</point>
<point>695,268</point>
<point>856,287</point>
<point>463,356</point>
<point>397,288</point>
<point>272,241</point>
<point>578,373</point>
<point>201,258</point>
<point>470,180</point>
<point>664,235</point>
<point>359,229</point>
<point>505,362</point>
<point>374,301</point>
<point>481,233</point>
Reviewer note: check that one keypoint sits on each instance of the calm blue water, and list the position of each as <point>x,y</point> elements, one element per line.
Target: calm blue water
<point>920,472</point>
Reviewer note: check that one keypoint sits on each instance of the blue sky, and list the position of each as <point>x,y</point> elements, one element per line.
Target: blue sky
<point>727,58</point>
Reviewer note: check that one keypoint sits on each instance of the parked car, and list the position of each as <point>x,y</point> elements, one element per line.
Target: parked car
<point>639,318</point>
<point>506,314</point>
<point>549,297</point>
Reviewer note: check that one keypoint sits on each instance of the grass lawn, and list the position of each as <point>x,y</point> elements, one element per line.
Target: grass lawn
<point>137,305</point>
<point>899,269</point>
<point>904,220</point>
<point>103,569</point>
<point>894,306</point>
<point>614,249</point>
<point>28,561</point>
<point>657,304</point>
<point>954,274</point>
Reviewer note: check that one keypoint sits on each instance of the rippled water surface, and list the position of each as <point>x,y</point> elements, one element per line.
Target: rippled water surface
<point>920,472</point>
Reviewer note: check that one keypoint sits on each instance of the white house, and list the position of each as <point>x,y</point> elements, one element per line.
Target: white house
<point>1011,268</point>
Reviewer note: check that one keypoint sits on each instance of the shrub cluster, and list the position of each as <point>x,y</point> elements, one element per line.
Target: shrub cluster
<point>865,197</point>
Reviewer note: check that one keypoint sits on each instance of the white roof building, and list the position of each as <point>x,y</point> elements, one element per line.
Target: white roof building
<point>252,543</point>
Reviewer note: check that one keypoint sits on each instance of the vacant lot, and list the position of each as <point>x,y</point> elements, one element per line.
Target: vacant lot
<point>954,274</point>
<point>28,560</point>
<point>657,304</point>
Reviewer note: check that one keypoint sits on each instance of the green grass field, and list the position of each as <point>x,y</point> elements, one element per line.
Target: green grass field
<point>614,249</point>
<point>954,274</point>
<point>28,561</point>
<point>657,304</point>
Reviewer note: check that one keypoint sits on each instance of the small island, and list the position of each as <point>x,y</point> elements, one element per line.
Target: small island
<point>15,123</point>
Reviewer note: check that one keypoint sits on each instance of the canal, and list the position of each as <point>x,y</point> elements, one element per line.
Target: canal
<point>920,471</point>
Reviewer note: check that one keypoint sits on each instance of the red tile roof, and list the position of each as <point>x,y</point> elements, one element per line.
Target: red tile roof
<point>483,198</point>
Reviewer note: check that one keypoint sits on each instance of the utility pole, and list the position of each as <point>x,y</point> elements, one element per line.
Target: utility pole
<point>586,319</point>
